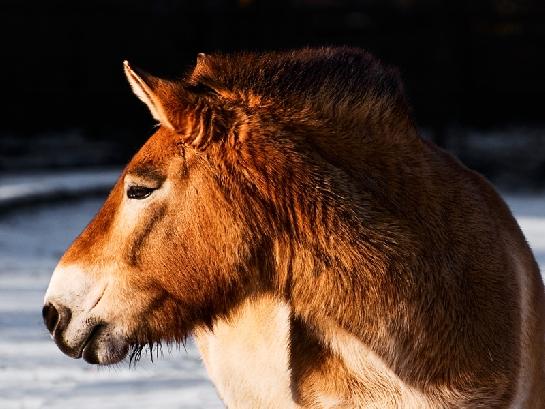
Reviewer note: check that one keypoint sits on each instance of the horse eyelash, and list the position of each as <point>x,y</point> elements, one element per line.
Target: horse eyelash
<point>147,191</point>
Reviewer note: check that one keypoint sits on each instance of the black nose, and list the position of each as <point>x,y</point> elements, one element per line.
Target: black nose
<point>51,317</point>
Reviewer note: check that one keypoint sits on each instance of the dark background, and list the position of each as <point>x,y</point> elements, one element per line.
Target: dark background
<point>474,70</point>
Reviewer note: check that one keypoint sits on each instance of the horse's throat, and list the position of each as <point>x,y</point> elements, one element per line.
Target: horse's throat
<point>247,355</point>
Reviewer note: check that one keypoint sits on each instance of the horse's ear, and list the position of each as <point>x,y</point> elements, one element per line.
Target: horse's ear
<point>157,93</point>
<point>189,109</point>
<point>147,88</point>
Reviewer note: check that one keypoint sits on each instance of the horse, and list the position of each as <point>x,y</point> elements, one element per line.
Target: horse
<point>288,214</point>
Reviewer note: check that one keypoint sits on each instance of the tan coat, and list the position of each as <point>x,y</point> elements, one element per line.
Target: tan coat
<point>323,253</point>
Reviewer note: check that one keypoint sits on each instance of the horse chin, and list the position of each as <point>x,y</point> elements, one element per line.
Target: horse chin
<point>105,348</point>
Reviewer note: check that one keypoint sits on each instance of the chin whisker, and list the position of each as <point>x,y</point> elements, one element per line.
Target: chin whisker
<point>135,354</point>
<point>154,349</point>
<point>142,347</point>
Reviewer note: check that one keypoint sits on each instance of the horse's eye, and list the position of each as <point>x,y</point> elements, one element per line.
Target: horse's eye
<point>139,192</point>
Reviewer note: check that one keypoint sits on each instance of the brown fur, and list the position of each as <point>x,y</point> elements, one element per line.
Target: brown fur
<point>301,174</point>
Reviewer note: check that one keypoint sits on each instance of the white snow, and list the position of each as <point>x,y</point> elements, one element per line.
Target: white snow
<point>35,374</point>
<point>17,188</point>
<point>530,213</point>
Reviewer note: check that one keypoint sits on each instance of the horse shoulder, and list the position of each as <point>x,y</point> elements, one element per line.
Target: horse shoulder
<point>530,381</point>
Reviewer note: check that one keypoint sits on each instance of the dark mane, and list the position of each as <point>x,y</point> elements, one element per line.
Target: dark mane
<point>332,83</point>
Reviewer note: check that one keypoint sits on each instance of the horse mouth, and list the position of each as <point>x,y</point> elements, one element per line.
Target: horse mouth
<point>101,347</point>
<point>87,344</point>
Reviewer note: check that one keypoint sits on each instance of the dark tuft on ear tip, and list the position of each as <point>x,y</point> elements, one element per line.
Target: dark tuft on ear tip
<point>202,62</point>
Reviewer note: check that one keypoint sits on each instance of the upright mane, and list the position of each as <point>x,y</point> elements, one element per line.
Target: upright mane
<point>333,84</point>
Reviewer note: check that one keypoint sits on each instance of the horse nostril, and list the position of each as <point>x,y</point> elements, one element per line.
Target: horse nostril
<point>51,317</point>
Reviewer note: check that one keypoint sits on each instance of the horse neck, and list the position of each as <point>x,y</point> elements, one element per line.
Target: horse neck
<point>342,263</point>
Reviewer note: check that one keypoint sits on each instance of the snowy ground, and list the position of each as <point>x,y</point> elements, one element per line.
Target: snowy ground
<point>22,189</point>
<point>35,374</point>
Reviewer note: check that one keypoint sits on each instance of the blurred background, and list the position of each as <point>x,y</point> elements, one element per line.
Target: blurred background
<point>474,72</point>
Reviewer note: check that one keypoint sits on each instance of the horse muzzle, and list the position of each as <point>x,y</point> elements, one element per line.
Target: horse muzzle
<point>56,319</point>
<point>91,340</point>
